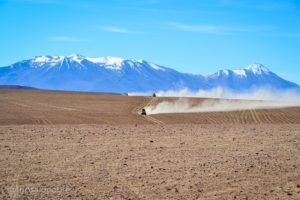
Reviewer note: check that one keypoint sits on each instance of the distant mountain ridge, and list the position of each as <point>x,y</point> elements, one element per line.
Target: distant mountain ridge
<point>113,74</point>
<point>250,77</point>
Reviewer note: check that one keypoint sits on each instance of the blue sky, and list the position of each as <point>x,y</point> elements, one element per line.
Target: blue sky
<point>194,36</point>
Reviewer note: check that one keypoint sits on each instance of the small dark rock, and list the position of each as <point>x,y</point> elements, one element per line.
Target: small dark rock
<point>289,193</point>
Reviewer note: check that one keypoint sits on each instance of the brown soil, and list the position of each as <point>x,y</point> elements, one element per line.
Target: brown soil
<point>97,146</point>
<point>55,107</point>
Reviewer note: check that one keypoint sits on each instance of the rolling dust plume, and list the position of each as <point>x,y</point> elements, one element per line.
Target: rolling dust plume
<point>222,100</point>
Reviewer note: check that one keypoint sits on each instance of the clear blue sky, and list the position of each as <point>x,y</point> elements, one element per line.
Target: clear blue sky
<point>195,36</point>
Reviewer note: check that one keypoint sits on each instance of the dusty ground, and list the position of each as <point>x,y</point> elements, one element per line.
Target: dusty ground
<point>54,107</point>
<point>60,152</point>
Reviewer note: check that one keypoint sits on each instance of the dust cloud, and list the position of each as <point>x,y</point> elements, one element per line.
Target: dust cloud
<point>223,100</point>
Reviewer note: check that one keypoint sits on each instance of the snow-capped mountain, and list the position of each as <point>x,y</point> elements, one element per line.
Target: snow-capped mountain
<point>112,74</point>
<point>105,74</point>
<point>252,76</point>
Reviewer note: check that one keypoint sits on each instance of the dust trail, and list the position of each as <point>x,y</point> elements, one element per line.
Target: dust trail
<point>223,93</point>
<point>225,100</point>
<point>184,105</point>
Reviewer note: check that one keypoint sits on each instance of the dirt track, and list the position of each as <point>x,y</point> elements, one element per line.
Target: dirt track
<point>97,146</point>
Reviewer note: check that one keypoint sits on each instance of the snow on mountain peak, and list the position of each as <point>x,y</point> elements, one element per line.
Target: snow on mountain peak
<point>118,63</point>
<point>224,72</point>
<point>76,57</point>
<point>41,60</point>
<point>154,66</point>
<point>257,68</point>
<point>240,72</point>
<point>115,63</point>
<point>111,61</point>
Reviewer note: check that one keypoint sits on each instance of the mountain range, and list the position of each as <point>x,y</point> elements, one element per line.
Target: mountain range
<point>113,74</point>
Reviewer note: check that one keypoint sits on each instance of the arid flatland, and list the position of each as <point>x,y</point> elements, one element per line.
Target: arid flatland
<point>97,146</point>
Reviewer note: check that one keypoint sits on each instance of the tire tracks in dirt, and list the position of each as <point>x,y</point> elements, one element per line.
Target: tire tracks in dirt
<point>255,116</point>
<point>42,105</point>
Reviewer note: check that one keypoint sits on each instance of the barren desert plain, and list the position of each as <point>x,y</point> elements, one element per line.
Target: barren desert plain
<point>72,145</point>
